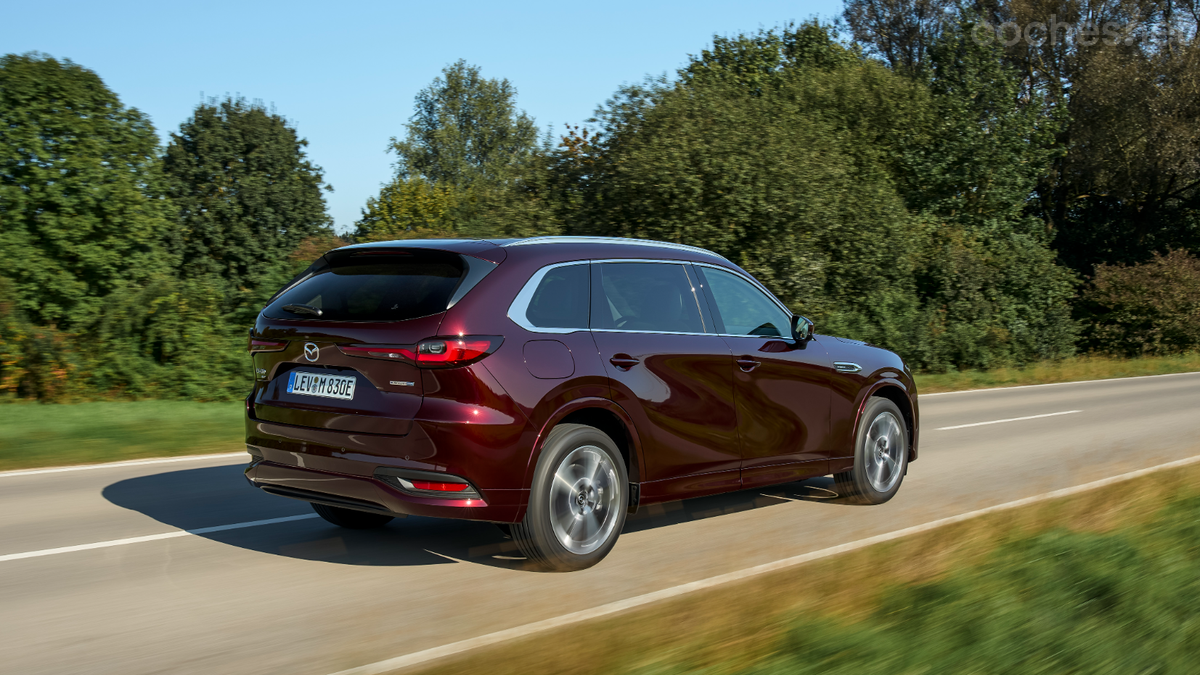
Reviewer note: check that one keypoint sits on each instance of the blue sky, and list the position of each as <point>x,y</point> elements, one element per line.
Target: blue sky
<point>346,73</point>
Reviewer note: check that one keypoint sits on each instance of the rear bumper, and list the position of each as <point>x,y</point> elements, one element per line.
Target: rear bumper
<point>339,468</point>
<point>373,495</point>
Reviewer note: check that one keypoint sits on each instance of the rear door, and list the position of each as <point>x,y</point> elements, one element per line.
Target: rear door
<point>671,375</point>
<point>337,349</point>
<point>782,387</point>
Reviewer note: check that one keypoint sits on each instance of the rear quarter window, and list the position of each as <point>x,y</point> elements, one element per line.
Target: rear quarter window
<point>391,287</point>
<point>561,299</point>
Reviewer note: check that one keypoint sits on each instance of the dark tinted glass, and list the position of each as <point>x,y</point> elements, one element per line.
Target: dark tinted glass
<point>375,288</point>
<point>654,297</point>
<point>561,299</point>
<point>745,309</point>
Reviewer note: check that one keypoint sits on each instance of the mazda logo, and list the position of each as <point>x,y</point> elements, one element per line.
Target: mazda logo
<point>311,351</point>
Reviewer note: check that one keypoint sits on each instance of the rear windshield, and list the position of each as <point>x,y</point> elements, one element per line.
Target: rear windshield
<point>392,287</point>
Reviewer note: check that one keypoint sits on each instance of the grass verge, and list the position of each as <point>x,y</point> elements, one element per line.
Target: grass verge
<point>1102,582</point>
<point>1068,370</point>
<point>34,435</point>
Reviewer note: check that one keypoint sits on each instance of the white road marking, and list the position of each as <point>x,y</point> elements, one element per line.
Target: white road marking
<point>1011,419</point>
<point>152,537</point>
<point>132,462</point>
<point>427,655</point>
<point>1055,384</point>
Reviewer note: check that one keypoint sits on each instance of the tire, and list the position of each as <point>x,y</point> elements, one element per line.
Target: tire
<point>351,519</point>
<point>580,482</point>
<point>880,455</point>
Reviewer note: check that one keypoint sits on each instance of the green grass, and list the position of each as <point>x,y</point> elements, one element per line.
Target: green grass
<point>1067,370</point>
<point>1107,581</point>
<point>36,435</point>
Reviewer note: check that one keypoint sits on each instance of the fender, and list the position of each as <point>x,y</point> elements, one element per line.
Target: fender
<point>866,393</point>
<point>635,444</point>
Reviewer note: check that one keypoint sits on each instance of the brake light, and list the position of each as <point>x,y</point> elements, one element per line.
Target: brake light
<point>390,353</point>
<point>257,345</point>
<point>460,351</point>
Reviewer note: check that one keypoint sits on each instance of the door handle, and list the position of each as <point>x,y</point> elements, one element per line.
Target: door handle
<point>747,364</point>
<point>624,361</point>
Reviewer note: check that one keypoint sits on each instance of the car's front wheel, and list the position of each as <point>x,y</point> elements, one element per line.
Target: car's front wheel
<point>577,502</point>
<point>880,455</point>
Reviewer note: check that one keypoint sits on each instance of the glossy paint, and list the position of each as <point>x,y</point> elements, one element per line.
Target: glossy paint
<point>691,421</point>
<point>783,406</point>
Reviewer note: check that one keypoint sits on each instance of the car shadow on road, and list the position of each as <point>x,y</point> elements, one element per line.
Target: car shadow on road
<point>193,499</point>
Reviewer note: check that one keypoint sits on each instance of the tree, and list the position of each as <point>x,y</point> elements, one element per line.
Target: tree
<point>1151,308</point>
<point>465,130</point>
<point>408,209</point>
<point>245,195</point>
<point>989,268</point>
<point>847,188</point>
<point>780,162</point>
<point>1123,77</point>
<point>79,212</point>
<point>900,32</point>
<point>468,166</point>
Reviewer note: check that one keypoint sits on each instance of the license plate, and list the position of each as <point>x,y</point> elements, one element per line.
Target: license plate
<point>320,384</point>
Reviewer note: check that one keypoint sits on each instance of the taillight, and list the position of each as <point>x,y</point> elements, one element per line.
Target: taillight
<point>451,352</point>
<point>257,345</point>
<point>431,353</point>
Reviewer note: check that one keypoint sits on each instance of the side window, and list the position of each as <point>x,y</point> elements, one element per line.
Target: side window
<point>561,299</point>
<point>652,297</point>
<point>745,309</point>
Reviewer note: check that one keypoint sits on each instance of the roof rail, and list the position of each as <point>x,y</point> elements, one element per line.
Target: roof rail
<point>612,240</point>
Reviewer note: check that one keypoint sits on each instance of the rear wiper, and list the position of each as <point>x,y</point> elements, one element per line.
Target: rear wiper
<point>302,309</point>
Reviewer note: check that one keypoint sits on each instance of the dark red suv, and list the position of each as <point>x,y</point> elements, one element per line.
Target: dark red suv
<point>554,384</point>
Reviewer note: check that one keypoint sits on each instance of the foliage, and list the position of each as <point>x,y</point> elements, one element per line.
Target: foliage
<point>1123,76</point>
<point>409,209</point>
<point>989,270</point>
<point>79,213</point>
<point>900,32</point>
<point>35,362</point>
<point>245,196</point>
<point>845,187</point>
<point>467,167</point>
<point>465,129</point>
<point>1151,308</point>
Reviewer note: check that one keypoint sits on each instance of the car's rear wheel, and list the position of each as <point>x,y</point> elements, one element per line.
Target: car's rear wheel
<point>577,502</point>
<point>351,519</point>
<point>880,455</point>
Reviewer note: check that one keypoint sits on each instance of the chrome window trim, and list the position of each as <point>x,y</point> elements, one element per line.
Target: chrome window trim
<point>648,332</point>
<point>613,240</point>
<point>520,304</point>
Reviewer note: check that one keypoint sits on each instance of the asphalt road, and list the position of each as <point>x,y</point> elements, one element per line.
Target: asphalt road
<point>303,596</point>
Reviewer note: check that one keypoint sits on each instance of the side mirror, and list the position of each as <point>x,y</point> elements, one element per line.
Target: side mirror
<point>802,329</point>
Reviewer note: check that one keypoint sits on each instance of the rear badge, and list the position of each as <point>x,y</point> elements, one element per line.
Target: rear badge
<point>311,351</point>
<point>400,383</point>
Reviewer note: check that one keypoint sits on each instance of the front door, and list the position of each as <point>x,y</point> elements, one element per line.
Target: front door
<point>671,375</point>
<point>781,386</point>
